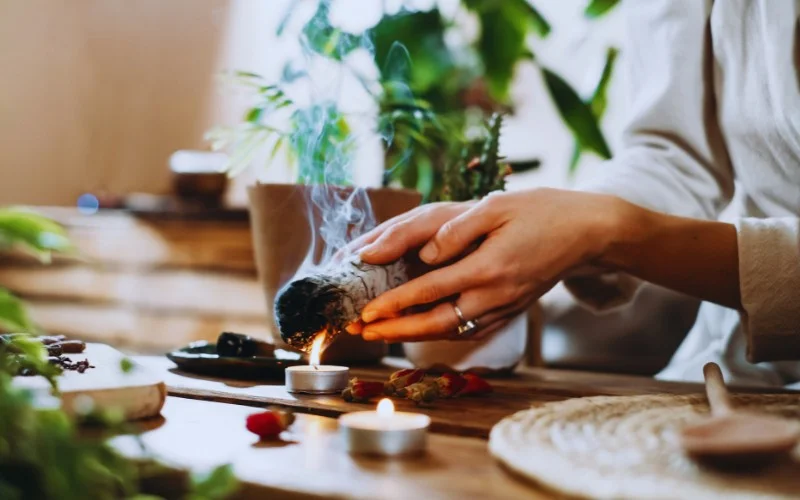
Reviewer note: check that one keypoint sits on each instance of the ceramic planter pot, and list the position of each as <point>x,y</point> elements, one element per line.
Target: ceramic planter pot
<point>282,239</point>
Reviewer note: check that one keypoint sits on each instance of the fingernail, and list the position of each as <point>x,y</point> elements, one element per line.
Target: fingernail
<point>369,335</point>
<point>368,251</point>
<point>429,252</point>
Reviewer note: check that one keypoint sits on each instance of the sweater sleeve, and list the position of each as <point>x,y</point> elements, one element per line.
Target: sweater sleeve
<point>769,278</point>
<point>672,159</point>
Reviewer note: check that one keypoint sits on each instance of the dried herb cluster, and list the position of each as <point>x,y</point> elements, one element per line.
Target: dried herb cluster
<point>412,384</point>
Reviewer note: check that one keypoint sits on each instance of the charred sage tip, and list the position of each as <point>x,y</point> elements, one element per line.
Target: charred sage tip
<point>331,298</point>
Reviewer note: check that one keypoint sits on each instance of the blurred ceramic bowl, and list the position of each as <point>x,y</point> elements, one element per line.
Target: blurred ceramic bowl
<point>199,176</point>
<point>501,352</point>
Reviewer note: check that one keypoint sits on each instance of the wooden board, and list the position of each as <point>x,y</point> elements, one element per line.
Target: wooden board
<point>464,416</point>
<point>139,393</point>
<point>310,462</point>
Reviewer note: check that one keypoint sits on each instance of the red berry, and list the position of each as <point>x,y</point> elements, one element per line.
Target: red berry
<point>268,424</point>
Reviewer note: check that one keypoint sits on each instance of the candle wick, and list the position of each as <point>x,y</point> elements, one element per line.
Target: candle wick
<point>316,367</point>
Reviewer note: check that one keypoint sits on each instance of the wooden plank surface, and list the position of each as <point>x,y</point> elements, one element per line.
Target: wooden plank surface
<point>138,330</point>
<point>145,285</point>
<point>115,238</point>
<point>310,462</point>
<point>463,416</point>
<point>179,290</point>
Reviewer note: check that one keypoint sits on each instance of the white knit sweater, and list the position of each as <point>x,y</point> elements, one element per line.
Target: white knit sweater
<point>715,97</point>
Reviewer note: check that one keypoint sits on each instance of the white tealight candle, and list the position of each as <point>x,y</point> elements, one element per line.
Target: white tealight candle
<point>316,378</point>
<point>385,431</point>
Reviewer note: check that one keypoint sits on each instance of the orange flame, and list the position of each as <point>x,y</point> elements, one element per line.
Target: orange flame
<point>316,349</point>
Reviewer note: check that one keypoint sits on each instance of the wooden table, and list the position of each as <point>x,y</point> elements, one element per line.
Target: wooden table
<point>311,461</point>
<point>203,426</point>
<point>464,416</point>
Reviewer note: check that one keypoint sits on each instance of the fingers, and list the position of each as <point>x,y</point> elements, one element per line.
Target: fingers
<point>457,234</point>
<point>410,232</point>
<point>435,324</point>
<point>370,236</point>
<point>471,272</point>
<point>442,321</point>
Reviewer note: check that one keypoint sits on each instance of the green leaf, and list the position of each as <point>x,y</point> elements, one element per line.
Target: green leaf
<point>254,115</point>
<point>126,365</point>
<point>13,316</point>
<point>275,148</point>
<point>599,8</point>
<point>576,114</point>
<point>320,37</point>
<point>519,167</point>
<point>425,177</point>
<point>535,19</point>
<point>411,52</point>
<point>218,484</point>
<point>599,100</point>
<point>501,45</point>
<point>575,159</point>
<point>287,16</point>
<point>33,232</point>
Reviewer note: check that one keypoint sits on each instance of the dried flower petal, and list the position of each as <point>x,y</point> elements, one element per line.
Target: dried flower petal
<point>475,385</point>
<point>401,379</point>
<point>421,392</point>
<point>361,391</point>
<point>450,384</point>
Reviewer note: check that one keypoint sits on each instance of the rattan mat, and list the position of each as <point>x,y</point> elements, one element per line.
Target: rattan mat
<point>627,447</point>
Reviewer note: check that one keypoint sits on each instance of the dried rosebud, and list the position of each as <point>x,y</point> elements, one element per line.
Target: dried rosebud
<point>401,379</point>
<point>269,424</point>
<point>473,163</point>
<point>361,391</point>
<point>450,384</point>
<point>475,385</point>
<point>421,392</point>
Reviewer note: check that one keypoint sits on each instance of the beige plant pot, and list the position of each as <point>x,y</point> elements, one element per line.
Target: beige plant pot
<point>282,239</point>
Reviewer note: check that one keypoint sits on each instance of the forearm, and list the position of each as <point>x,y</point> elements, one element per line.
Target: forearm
<point>696,257</point>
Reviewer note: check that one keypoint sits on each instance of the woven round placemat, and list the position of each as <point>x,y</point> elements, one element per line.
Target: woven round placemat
<point>628,447</point>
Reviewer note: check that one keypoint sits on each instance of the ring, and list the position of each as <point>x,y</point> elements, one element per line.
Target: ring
<point>466,328</point>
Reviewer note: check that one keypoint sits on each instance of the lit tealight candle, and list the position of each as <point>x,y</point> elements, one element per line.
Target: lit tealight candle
<point>385,431</point>
<point>316,378</point>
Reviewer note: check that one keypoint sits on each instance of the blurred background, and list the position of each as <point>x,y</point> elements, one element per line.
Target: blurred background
<point>99,95</point>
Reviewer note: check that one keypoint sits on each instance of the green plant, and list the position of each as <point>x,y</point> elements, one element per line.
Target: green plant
<point>431,95</point>
<point>42,452</point>
<point>30,232</point>
<point>478,75</point>
<point>317,137</point>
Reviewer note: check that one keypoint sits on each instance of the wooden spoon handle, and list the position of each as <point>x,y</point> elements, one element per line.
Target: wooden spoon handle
<point>718,397</point>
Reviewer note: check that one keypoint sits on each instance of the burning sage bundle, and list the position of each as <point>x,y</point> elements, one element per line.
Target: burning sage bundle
<point>331,298</point>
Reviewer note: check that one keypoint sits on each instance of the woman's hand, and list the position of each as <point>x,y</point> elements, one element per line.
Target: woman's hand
<point>527,240</point>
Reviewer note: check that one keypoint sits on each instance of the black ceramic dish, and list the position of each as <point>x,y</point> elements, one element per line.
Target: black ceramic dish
<point>201,357</point>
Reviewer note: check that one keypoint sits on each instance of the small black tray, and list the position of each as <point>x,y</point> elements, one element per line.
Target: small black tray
<point>201,357</point>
